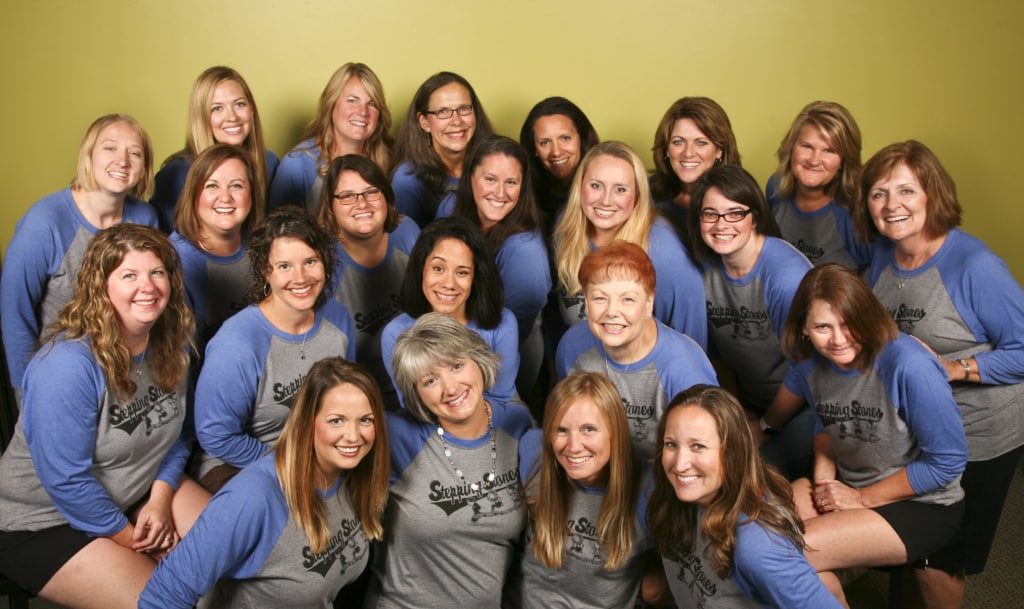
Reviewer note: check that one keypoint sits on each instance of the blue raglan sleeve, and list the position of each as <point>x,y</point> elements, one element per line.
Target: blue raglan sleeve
<point>339,315</point>
<point>410,195</point>
<point>505,343</point>
<point>526,274</point>
<point>679,299</point>
<point>796,383</point>
<point>529,453</point>
<point>570,348</point>
<point>293,179</point>
<point>69,410</point>
<point>771,570</point>
<point>788,267</point>
<point>388,338</point>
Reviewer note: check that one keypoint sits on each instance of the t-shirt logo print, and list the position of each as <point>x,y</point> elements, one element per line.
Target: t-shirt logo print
<point>155,408</point>
<point>345,547</point>
<point>500,496</point>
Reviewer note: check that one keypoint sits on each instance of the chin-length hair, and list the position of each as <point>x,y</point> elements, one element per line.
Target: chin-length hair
<point>437,340</point>
<point>524,216</point>
<point>416,147</point>
<point>572,234</point>
<point>738,186</point>
<point>84,178</point>
<point>944,211</point>
<point>372,174</point>
<point>379,145</point>
<point>186,217</point>
<point>550,490</point>
<point>550,191</point>
<point>752,493</point>
<point>851,299</point>
<point>486,295</point>
<point>90,316</point>
<point>712,120</point>
<point>841,132</point>
<point>292,222</point>
<point>296,462</point>
<point>199,136</point>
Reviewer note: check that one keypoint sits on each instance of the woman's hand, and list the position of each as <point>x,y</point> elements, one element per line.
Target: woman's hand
<point>833,496</point>
<point>155,533</point>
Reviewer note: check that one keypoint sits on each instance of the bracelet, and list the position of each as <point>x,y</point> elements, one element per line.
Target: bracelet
<point>967,369</point>
<point>766,428</point>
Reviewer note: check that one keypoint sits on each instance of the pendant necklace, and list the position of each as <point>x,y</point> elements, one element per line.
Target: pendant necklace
<point>138,367</point>
<point>490,476</point>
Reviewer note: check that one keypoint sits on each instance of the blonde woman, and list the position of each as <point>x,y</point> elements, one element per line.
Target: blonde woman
<point>610,200</point>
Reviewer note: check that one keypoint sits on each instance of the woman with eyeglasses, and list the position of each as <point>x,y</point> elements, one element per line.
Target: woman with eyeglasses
<point>445,120</point>
<point>374,242</point>
<point>750,276</point>
<point>352,118</point>
<point>816,183</point>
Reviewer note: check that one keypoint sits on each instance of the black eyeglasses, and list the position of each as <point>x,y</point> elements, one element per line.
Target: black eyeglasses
<point>711,216</point>
<point>370,195</point>
<point>442,113</point>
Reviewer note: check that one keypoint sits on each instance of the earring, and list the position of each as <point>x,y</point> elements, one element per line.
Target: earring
<point>266,289</point>
<point>718,160</point>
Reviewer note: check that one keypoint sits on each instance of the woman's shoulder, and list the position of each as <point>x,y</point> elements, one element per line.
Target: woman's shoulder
<point>48,211</point>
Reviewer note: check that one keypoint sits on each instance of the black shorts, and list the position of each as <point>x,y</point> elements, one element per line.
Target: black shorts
<point>32,558</point>
<point>922,527</point>
<point>985,485</point>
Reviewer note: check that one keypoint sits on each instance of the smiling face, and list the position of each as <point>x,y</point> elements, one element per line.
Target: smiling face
<point>619,314</point>
<point>296,275</point>
<point>354,117</point>
<point>728,239</point>
<point>448,278</point>
<point>454,394</point>
<point>899,206</point>
<point>230,113</point>
<point>118,159</point>
<point>692,455</point>
<point>225,200</point>
<point>138,290</point>
<point>496,183</point>
<point>690,152</point>
<point>815,162</point>
<point>557,144</point>
<point>450,136</point>
<point>362,220</point>
<point>830,336</point>
<point>608,196</point>
<point>343,431</point>
<point>583,443</point>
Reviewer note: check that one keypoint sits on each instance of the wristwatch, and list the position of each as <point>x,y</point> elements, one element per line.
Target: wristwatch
<point>766,428</point>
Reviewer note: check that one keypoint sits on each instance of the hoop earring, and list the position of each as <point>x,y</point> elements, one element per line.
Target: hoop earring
<point>266,289</point>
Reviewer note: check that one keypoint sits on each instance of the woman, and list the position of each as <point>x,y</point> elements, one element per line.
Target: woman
<point>115,169</point>
<point>610,200</point>
<point>750,276</point>
<point>722,520</point>
<point>259,358</point>
<point>444,122</point>
<point>352,118</point>
<point>91,486</point>
<point>948,289</point>
<point>559,134</point>
<point>816,182</point>
<point>497,195</point>
<point>580,470</point>
<point>693,136</point>
<point>451,270</point>
<point>295,526</point>
<point>648,361</point>
<point>218,209</point>
<point>221,109</point>
<point>889,447</point>
<point>374,242</point>
<point>455,510</point>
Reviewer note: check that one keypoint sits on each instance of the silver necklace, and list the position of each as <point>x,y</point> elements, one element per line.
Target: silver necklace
<point>138,367</point>
<point>302,348</point>
<point>490,476</point>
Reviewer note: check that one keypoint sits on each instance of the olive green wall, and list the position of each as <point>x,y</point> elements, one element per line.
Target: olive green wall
<point>948,74</point>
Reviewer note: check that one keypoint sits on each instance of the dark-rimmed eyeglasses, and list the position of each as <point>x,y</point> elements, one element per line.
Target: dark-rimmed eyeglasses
<point>370,195</point>
<point>442,113</point>
<point>710,216</point>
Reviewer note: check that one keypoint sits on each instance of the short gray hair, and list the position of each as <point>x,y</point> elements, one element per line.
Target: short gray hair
<point>437,340</point>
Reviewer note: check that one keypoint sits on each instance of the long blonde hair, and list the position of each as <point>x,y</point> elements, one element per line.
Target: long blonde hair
<point>295,460</point>
<point>548,507</point>
<point>572,243</point>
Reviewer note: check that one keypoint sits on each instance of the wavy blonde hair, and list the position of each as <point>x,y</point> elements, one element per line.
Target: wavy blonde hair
<point>572,239</point>
<point>841,132</point>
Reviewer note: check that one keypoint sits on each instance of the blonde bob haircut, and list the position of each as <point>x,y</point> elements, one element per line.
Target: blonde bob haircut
<point>550,489</point>
<point>378,147</point>
<point>437,340</point>
<point>572,235</point>
<point>186,218</point>
<point>296,463</point>
<point>841,132</point>
<point>84,178</point>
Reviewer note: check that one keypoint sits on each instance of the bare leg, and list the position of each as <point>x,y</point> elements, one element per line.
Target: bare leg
<point>803,496</point>
<point>103,575</point>
<point>852,538</point>
<point>188,502</point>
<point>834,586</point>
<point>940,590</point>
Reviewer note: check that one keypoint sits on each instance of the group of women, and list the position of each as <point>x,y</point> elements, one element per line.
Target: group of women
<point>323,369</point>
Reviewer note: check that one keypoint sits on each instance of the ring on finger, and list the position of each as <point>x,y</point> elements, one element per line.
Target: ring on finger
<point>822,503</point>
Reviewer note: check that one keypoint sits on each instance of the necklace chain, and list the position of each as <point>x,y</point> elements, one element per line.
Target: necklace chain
<point>138,367</point>
<point>490,476</point>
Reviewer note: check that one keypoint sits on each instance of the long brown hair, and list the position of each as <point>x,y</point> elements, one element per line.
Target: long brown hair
<point>186,219</point>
